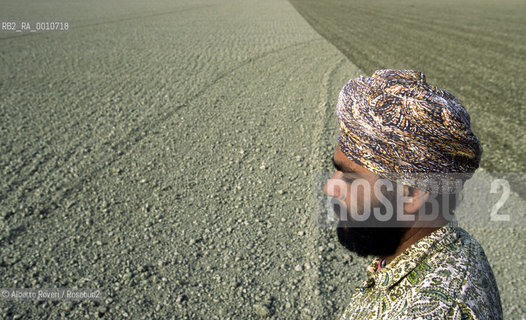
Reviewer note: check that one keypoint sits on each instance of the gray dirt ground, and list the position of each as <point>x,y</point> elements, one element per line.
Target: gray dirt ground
<point>171,154</point>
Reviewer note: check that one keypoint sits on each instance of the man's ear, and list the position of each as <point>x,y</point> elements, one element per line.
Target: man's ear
<point>415,199</point>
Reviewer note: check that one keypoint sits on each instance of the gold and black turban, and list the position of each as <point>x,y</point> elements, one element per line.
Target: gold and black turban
<point>403,129</point>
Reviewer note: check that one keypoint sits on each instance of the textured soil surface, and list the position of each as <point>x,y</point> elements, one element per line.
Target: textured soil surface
<point>171,154</point>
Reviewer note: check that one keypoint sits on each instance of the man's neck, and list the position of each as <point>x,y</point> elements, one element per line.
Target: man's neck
<point>411,236</point>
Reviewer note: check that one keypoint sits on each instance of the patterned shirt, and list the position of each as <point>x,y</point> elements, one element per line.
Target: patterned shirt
<point>444,275</point>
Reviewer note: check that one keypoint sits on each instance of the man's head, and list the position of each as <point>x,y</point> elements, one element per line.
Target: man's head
<point>373,212</point>
<point>401,143</point>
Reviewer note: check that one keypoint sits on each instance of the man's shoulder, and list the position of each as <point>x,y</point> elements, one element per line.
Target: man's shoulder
<point>458,265</point>
<point>456,278</point>
<point>462,258</point>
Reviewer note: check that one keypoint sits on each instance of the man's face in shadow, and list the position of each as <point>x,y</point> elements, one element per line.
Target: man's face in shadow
<point>355,200</point>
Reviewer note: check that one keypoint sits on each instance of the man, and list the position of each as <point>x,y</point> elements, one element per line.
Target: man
<point>404,150</point>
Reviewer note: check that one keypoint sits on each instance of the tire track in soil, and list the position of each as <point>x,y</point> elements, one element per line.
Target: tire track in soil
<point>314,233</point>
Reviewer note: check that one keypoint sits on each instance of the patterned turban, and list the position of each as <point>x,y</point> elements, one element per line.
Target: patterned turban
<point>405,130</point>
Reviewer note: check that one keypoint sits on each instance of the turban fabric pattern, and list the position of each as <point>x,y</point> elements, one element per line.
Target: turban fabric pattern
<point>405,130</point>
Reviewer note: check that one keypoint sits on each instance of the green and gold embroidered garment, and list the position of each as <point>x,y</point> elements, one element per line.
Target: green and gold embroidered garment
<point>445,275</point>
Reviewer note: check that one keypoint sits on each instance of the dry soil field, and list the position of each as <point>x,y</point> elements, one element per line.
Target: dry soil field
<point>171,154</point>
